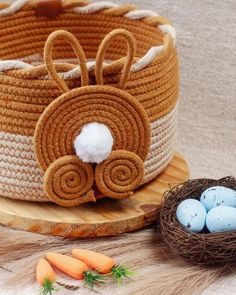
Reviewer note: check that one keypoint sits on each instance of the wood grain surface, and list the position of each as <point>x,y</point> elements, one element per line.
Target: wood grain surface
<point>104,218</point>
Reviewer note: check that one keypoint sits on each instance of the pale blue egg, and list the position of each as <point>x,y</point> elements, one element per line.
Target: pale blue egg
<point>192,215</point>
<point>218,196</point>
<point>221,219</point>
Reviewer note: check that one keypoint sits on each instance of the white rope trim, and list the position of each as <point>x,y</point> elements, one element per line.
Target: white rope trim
<point>14,7</point>
<point>75,73</point>
<point>169,29</point>
<point>135,14</point>
<point>92,8</point>
<point>141,64</point>
<point>146,59</point>
<point>139,14</point>
<point>6,65</point>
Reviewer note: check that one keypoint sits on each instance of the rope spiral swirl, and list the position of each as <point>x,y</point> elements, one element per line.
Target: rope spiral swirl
<point>68,181</point>
<point>63,119</point>
<point>119,174</point>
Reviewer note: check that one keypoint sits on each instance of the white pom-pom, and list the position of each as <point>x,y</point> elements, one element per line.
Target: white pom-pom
<point>94,143</point>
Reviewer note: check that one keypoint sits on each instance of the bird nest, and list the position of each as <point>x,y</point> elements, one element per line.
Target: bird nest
<point>204,247</point>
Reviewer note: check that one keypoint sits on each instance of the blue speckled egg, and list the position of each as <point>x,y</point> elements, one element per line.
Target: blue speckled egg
<point>192,215</point>
<point>221,219</point>
<point>218,196</point>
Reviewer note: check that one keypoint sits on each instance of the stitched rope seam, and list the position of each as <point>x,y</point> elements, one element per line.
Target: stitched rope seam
<point>97,7</point>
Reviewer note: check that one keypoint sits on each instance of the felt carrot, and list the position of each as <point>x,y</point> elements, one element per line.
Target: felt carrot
<point>102,264</point>
<point>45,276</point>
<point>75,268</point>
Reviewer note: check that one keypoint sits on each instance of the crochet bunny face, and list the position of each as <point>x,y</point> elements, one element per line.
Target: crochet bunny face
<point>69,180</point>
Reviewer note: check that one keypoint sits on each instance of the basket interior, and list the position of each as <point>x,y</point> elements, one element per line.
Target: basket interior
<point>23,35</point>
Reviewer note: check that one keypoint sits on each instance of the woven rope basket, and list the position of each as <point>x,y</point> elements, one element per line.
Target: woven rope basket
<point>127,58</point>
<point>202,248</point>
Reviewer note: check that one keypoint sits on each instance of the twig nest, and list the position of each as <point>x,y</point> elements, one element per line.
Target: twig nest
<point>204,247</point>
<point>94,143</point>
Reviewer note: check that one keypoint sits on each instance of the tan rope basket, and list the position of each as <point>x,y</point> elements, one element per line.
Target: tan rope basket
<point>127,79</point>
<point>203,248</point>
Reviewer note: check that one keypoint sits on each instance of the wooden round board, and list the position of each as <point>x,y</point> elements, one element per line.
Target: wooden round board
<point>104,218</point>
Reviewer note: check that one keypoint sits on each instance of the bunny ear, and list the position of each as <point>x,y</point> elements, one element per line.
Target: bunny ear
<point>48,49</point>
<point>128,62</point>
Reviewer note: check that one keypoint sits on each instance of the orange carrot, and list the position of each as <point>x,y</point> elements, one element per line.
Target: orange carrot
<point>102,264</point>
<point>44,272</point>
<point>75,268</point>
<point>69,265</point>
<point>45,276</point>
<point>97,261</point>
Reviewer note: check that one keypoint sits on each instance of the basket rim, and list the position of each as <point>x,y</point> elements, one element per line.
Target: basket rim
<point>84,7</point>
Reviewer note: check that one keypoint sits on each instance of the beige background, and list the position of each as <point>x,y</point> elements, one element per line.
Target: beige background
<point>207,114</point>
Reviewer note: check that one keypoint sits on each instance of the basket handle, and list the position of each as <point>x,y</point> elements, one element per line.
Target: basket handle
<point>128,61</point>
<point>78,50</point>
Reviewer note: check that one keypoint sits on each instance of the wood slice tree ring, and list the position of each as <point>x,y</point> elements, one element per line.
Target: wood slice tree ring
<point>105,218</point>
